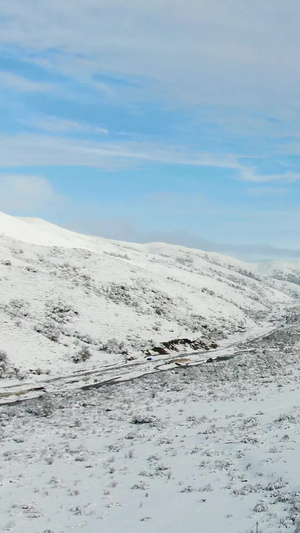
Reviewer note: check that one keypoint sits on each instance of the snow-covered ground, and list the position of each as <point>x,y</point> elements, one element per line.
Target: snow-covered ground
<point>212,448</point>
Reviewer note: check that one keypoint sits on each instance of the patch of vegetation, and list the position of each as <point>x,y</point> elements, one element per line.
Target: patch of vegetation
<point>3,364</point>
<point>83,355</point>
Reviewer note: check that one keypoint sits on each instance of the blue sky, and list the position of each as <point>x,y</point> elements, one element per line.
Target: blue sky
<point>167,120</point>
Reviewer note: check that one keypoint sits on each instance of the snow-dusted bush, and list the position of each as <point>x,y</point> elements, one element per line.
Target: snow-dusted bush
<point>3,363</point>
<point>17,251</point>
<point>49,330</point>
<point>43,407</point>
<point>140,486</point>
<point>60,312</point>
<point>188,489</point>
<point>119,256</point>
<point>260,507</point>
<point>185,261</point>
<point>139,419</point>
<point>195,323</point>
<point>85,337</point>
<point>120,293</point>
<point>83,355</point>
<point>114,346</point>
<point>17,308</point>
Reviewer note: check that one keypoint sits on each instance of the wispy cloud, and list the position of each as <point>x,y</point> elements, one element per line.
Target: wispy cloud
<point>29,150</point>
<point>249,174</point>
<point>57,125</point>
<point>35,150</point>
<point>22,84</point>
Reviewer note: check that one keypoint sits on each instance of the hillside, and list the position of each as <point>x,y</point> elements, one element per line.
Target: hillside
<point>206,439</point>
<point>66,297</point>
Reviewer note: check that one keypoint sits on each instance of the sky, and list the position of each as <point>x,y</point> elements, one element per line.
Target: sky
<point>167,120</point>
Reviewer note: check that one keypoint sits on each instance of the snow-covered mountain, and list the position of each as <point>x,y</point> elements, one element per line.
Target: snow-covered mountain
<point>67,297</point>
<point>213,445</point>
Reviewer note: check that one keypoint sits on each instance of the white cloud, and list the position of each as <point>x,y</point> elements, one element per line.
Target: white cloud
<point>23,84</point>
<point>34,150</point>
<point>199,51</point>
<point>26,193</point>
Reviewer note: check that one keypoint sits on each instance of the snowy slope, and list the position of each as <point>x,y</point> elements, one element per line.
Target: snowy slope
<point>63,292</point>
<point>211,449</point>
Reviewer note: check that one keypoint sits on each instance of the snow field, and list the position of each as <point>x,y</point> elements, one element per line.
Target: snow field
<point>211,448</point>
